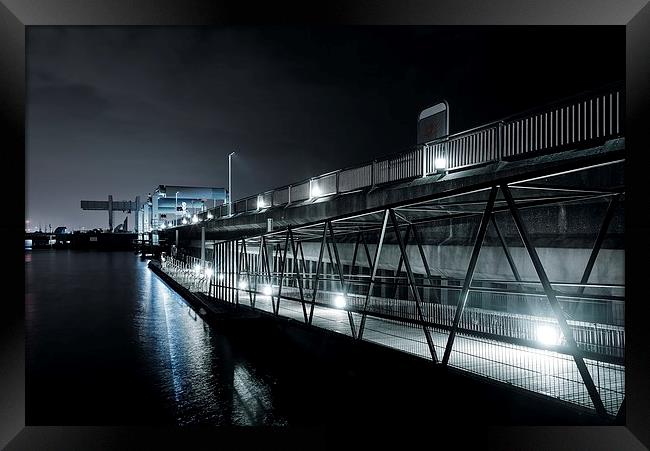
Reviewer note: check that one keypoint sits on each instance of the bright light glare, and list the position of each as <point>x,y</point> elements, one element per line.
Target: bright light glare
<point>243,285</point>
<point>548,335</point>
<point>210,216</point>
<point>162,226</point>
<point>184,221</point>
<point>339,301</point>
<point>221,276</point>
<point>197,269</point>
<point>195,219</point>
<point>208,273</point>
<point>267,290</point>
<point>440,163</point>
<point>315,191</point>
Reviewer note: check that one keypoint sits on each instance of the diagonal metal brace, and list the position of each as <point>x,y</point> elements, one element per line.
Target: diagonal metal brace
<point>555,305</point>
<point>462,299</point>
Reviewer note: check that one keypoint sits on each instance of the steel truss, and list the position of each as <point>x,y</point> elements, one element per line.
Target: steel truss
<point>277,260</point>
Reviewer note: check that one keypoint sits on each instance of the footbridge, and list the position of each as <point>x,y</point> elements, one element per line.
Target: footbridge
<point>498,251</point>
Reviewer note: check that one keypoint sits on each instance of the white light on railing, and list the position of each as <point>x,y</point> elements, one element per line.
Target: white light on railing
<point>243,285</point>
<point>221,276</point>
<point>184,221</point>
<point>260,204</point>
<point>208,273</point>
<point>440,164</point>
<point>162,226</point>
<point>197,269</point>
<point>315,191</point>
<point>339,301</point>
<point>195,219</point>
<point>267,290</point>
<point>548,335</point>
<point>210,215</point>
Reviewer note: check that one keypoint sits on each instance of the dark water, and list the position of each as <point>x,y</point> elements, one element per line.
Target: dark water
<point>109,343</point>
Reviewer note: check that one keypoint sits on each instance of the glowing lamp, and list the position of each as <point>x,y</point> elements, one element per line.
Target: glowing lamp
<point>339,301</point>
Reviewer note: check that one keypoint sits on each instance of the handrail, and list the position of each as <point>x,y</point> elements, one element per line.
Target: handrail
<point>575,120</point>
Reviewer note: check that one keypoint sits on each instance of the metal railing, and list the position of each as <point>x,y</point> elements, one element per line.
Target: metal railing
<point>568,124</point>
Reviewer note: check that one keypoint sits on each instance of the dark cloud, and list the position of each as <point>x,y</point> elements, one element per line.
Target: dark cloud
<point>119,110</point>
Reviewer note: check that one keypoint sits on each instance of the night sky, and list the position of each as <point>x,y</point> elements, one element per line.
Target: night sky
<point>121,110</point>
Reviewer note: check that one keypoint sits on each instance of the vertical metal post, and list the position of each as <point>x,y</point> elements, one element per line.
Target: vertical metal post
<point>110,213</point>
<point>344,285</point>
<point>298,274</point>
<point>555,305</point>
<point>416,294</point>
<point>244,254</point>
<point>203,244</point>
<point>462,299</point>
<point>373,274</point>
<point>282,267</point>
<point>237,258</point>
<point>266,266</point>
<point>318,267</point>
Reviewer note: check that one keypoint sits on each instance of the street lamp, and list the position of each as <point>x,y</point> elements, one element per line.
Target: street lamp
<point>230,182</point>
<point>176,210</point>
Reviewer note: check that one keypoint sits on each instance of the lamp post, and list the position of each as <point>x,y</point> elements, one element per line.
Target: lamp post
<point>230,182</point>
<point>176,210</point>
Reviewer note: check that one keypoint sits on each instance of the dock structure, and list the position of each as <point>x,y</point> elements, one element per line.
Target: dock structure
<point>497,251</point>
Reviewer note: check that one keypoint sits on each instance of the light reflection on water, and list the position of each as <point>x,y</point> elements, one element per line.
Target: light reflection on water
<point>206,382</point>
<point>192,370</point>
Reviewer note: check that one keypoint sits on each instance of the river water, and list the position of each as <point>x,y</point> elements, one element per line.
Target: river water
<point>109,343</point>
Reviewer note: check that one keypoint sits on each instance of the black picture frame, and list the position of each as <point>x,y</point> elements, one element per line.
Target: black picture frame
<point>15,15</point>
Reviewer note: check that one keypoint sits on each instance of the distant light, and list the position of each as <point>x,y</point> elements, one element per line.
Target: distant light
<point>208,273</point>
<point>339,301</point>
<point>162,226</point>
<point>195,219</point>
<point>221,276</point>
<point>260,204</point>
<point>210,215</point>
<point>548,335</point>
<point>184,221</point>
<point>315,191</point>
<point>440,163</point>
<point>67,242</point>
<point>243,285</point>
<point>267,290</point>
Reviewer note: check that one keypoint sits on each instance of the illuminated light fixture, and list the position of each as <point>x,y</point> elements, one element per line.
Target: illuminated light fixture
<point>339,301</point>
<point>221,276</point>
<point>197,269</point>
<point>260,204</point>
<point>440,164</point>
<point>184,221</point>
<point>210,215</point>
<point>243,285</point>
<point>267,290</point>
<point>162,226</point>
<point>195,219</point>
<point>208,273</point>
<point>548,335</point>
<point>315,191</point>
